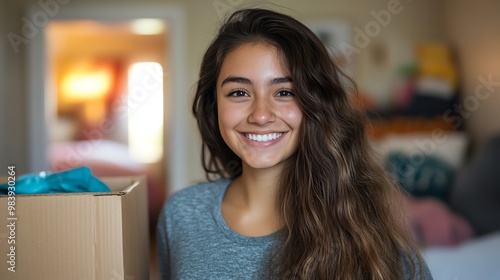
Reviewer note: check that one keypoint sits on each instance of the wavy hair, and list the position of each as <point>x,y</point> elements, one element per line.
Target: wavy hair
<point>337,203</point>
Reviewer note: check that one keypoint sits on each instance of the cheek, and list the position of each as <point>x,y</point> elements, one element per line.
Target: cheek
<point>293,115</point>
<point>229,116</point>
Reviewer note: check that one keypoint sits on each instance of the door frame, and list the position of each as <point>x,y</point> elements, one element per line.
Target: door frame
<point>40,101</point>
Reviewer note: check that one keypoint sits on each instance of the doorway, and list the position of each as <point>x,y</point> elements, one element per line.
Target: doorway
<point>107,82</point>
<point>43,106</point>
<point>44,112</point>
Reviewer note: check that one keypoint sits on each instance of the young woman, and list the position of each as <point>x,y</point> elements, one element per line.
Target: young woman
<point>300,195</point>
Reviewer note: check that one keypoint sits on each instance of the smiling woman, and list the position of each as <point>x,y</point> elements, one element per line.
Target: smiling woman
<point>259,118</point>
<point>309,201</point>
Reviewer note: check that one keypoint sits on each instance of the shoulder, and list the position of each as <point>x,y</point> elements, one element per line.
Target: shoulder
<point>197,196</point>
<point>421,268</point>
<point>200,191</point>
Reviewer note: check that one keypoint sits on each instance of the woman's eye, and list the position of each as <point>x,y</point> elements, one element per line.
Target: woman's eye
<point>284,93</point>
<point>238,93</point>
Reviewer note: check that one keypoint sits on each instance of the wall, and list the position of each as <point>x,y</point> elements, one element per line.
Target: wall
<point>417,21</point>
<point>3,90</point>
<point>474,27</point>
<point>414,22</point>
<point>13,104</point>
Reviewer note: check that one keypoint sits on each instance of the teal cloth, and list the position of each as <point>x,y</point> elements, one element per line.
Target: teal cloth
<point>422,175</point>
<point>75,180</point>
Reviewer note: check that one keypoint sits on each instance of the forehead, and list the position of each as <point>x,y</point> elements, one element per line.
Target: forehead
<point>253,60</point>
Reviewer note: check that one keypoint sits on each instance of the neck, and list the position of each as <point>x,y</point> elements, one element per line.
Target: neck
<point>250,203</point>
<point>258,187</point>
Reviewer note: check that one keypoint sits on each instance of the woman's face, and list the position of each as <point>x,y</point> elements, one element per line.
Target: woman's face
<point>259,117</point>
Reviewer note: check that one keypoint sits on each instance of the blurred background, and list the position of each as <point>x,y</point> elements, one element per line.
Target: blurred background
<point>109,84</point>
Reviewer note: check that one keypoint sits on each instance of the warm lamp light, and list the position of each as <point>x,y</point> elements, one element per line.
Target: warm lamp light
<point>80,85</point>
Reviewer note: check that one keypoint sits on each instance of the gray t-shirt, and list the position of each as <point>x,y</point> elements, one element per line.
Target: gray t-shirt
<point>194,241</point>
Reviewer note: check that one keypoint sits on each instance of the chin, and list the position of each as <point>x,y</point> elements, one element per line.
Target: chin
<point>264,164</point>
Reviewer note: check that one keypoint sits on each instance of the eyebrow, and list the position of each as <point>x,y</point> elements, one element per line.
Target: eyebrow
<point>242,80</point>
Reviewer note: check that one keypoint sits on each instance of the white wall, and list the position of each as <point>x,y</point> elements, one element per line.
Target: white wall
<point>474,28</point>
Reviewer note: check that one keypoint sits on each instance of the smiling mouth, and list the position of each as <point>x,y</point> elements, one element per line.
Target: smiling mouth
<point>263,137</point>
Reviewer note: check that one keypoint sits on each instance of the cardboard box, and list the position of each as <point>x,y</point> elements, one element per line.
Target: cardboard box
<point>78,235</point>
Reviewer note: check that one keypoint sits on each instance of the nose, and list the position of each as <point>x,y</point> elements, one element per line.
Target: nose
<point>262,112</point>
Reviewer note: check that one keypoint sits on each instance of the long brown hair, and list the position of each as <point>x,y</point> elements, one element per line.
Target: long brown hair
<point>336,201</point>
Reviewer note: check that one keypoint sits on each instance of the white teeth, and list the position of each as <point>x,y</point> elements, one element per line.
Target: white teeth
<point>263,137</point>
